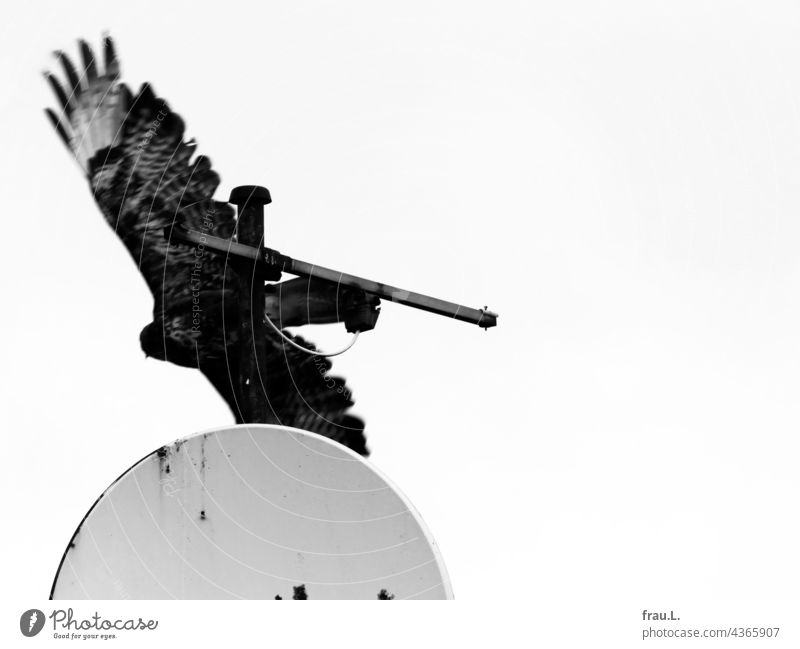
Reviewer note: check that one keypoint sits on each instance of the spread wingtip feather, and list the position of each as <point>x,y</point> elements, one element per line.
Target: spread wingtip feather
<point>59,127</point>
<point>61,96</point>
<point>110,56</point>
<point>69,71</point>
<point>88,61</point>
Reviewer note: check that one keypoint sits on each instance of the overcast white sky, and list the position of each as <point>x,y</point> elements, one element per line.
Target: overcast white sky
<point>620,181</point>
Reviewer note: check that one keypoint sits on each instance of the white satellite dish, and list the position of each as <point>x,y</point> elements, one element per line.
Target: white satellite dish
<point>251,512</point>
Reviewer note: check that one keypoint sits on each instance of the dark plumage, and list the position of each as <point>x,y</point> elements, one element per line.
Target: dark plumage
<point>146,177</point>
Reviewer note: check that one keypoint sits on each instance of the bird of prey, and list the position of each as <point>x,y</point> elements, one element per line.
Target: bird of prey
<point>146,178</point>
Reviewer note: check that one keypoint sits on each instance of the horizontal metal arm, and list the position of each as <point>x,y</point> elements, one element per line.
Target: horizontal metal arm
<point>267,261</point>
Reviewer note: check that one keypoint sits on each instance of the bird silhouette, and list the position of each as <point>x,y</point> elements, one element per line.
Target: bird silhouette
<point>146,178</point>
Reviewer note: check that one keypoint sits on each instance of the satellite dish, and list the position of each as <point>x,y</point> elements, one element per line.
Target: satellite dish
<point>252,512</point>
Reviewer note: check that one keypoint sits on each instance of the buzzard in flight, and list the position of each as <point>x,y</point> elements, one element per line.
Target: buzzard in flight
<point>146,178</point>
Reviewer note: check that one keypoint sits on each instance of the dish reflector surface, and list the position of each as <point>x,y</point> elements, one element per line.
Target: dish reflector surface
<point>251,512</point>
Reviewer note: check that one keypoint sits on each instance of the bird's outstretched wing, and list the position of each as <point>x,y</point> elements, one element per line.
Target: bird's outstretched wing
<point>146,178</point>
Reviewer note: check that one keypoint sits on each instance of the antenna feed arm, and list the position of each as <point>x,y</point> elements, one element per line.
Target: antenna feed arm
<point>268,264</point>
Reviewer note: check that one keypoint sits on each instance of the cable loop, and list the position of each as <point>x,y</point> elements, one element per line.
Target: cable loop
<point>305,349</point>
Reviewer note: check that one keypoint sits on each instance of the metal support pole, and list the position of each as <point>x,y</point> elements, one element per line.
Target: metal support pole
<point>251,397</point>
